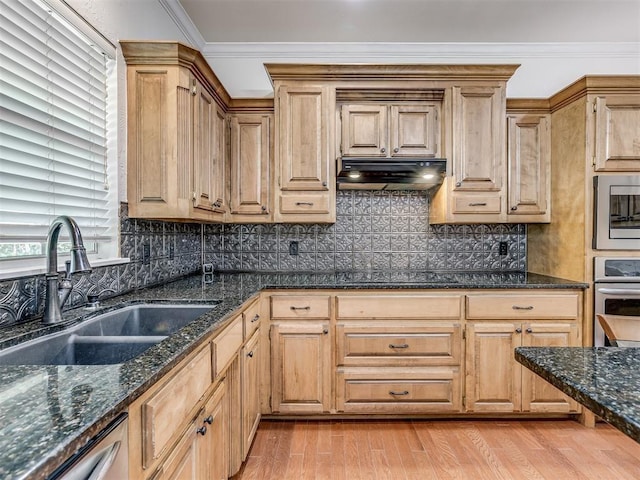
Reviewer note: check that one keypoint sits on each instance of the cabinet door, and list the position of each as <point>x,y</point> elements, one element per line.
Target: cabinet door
<point>415,130</point>
<point>301,367</point>
<point>529,162</point>
<point>364,131</point>
<point>205,149</point>
<point>219,162</point>
<point>478,138</point>
<point>183,463</point>
<point>249,162</point>
<point>537,394</point>
<point>250,391</point>
<point>493,376</point>
<point>303,155</point>
<point>213,436</point>
<point>617,133</point>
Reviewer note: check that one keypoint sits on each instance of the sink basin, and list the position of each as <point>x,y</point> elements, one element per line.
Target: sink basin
<point>109,338</point>
<point>146,319</point>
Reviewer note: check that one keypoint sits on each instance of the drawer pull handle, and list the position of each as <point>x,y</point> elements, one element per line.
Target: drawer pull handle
<point>309,204</point>
<point>517,307</point>
<point>256,318</point>
<point>202,430</point>
<point>301,308</point>
<point>404,392</point>
<point>402,345</point>
<point>478,204</point>
<point>209,419</point>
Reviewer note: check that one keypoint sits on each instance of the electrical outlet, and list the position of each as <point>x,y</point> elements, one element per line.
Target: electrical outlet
<point>293,247</point>
<point>503,248</point>
<point>146,253</point>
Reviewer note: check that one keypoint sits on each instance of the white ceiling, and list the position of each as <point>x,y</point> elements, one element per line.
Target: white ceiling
<point>416,20</point>
<point>555,41</point>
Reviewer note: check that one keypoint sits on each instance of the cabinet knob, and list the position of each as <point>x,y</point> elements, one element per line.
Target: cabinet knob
<point>263,208</point>
<point>514,208</point>
<point>324,184</point>
<point>518,330</point>
<point>250,354</point>
<point>529,330</point>
<point>202,430</point>
<point>209,419</point>
<point>383,150</point>
<point>255,318</point>
<point>458,184</point>
<point>325,331</point>
<point>396,150</point>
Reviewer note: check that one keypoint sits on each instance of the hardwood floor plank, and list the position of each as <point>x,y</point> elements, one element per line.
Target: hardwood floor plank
<point>439,450</point>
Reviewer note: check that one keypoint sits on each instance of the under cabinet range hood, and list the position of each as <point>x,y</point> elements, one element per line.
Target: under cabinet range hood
<point>387,174</point>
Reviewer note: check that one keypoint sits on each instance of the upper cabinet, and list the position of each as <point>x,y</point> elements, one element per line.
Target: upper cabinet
<point>176,148</point>
<point>305,185</point>
<point>529,166</point>
<point>616,144</point>
<point>382,130</point>
<point>250,167</point>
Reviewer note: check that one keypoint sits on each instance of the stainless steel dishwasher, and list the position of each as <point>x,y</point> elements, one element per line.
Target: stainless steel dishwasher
<point>104,457</point>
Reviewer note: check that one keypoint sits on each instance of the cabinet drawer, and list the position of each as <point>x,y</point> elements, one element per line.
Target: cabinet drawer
<point>477,204</point>
<point>398,344</point>
<point>168,409</point>
<point>522,306</point>
<point>251,319</point>
<point>398,306</point>
<point>300,306</point>
<point>305,203</point>
<point>227,344</point>
<point>392,390</point>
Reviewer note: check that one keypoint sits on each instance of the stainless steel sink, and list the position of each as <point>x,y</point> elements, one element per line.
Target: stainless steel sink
<point>109,338</point>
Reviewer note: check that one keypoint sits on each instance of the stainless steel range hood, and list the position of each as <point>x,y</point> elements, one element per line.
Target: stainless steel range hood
<point>388,174</point>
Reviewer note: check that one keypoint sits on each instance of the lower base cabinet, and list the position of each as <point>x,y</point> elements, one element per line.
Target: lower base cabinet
<point>496,383</point>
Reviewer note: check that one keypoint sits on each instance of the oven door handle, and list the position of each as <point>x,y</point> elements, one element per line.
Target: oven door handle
<point>619,291</point>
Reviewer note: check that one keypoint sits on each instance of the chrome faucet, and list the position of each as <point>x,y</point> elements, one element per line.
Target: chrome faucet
<point>57,291</point>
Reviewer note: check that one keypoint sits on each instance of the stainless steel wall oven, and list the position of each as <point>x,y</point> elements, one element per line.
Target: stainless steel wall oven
<point>616,216</point>
<point>617,290</point>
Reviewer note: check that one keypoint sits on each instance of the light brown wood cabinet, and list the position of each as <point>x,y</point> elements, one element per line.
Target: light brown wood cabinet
<point>497,324</point>
<point>398,353</point>
<point>616,146</point>
<point>301,360</point>
<point>250,358</point>
<point>388,131</point>
<point>305,179</point>
<point>476,191</point>
<point>250,167</point>
<point>176,142</point>
<point>529,167</point>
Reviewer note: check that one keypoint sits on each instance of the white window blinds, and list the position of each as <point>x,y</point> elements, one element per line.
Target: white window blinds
<point>53,114</point>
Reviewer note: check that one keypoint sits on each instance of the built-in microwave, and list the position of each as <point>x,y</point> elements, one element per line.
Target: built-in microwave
<point>616,219</point>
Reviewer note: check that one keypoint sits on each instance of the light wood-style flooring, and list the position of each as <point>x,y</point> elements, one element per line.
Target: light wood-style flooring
<point>440,449</point>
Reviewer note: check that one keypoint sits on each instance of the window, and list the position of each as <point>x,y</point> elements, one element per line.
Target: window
<point>56,100</point>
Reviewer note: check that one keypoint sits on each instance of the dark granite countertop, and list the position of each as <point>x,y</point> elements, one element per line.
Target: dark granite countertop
<point>606,380</point>
<point>48,412</point>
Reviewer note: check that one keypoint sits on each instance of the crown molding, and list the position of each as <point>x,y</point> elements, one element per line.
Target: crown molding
<point>431,51</point>
<point>184,23</point>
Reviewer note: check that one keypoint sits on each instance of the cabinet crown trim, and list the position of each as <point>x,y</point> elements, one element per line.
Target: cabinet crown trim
<point>287,71</point>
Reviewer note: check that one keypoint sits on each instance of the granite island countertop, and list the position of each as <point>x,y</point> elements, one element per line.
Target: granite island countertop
<point>48,412</point>
<point>606,380</point>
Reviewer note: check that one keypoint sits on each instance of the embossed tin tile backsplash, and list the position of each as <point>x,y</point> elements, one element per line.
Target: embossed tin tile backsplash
<point>373,230</point>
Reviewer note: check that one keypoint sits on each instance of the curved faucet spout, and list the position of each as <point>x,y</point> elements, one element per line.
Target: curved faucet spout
<point>57,294</point>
